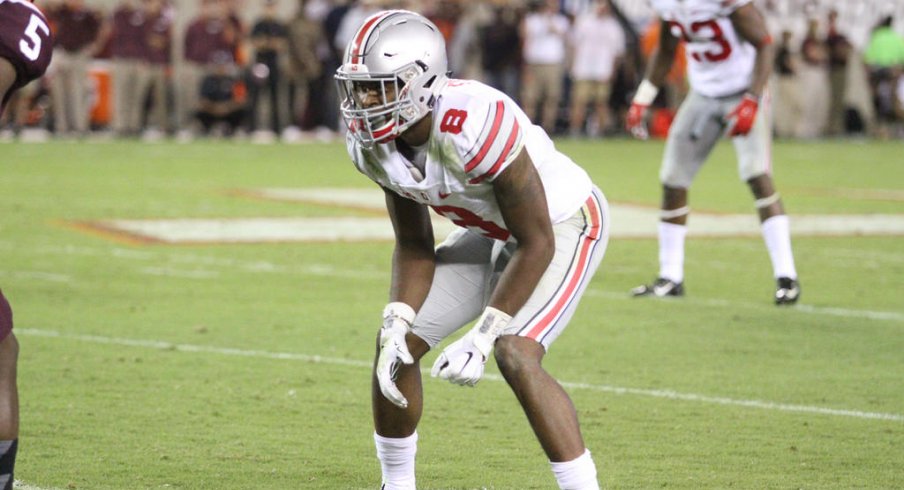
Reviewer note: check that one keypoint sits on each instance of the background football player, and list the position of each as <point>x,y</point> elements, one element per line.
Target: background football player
<point>532,230</point>
<point>730,56</point>
<point>25,51</point>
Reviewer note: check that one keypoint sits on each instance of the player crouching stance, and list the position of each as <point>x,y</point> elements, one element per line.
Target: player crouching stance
<point>532,230</point>
<point>25,50</point>
<point>729,56</point>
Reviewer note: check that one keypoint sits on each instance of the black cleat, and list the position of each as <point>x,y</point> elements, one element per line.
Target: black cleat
<point>787,292</point>
<point>661,288</point>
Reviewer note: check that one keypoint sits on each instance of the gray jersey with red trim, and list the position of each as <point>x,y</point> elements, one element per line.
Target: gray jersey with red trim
<point>477,133</point>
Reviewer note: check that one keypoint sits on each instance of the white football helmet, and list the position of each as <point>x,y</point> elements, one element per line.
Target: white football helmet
<point>391,73</point>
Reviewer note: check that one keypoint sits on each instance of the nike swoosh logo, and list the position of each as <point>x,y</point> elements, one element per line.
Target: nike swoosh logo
<point>470,356</point>
<point>444,195</point>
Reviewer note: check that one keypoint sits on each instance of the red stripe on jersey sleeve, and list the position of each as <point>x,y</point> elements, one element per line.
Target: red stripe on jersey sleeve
<point>494,131</point>
<point>513,136</point>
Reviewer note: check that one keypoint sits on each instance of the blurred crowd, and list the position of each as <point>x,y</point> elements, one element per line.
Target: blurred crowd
<point>262,69</point>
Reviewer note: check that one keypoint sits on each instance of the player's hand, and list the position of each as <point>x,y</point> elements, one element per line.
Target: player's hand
<point>741,119</point>
<point>397,320</point>
<point>634,121</point>
<point>462,361</point>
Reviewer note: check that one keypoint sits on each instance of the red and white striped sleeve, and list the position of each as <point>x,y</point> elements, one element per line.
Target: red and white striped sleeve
<point>494,143</point>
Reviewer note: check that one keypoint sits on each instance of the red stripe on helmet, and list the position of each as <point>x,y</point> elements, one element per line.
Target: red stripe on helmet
<point>357,49</point>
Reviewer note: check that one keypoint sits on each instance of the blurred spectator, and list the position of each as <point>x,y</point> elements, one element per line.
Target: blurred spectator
<point>544,33</point>
<point>500,44</point>
<point>464,46</point>
<point>787,89</point>
<point>884,57</point>
<point>814,76</point>
<point>356,14</point>
<point>158,47</point>
<point>131,70</point>
<point>332,24</point>
<point>599,47</point>
<point>210,39</point>
<point>839,50</point>
<point>306,59</point>
<point>445,17</point>
<point>77,30</point>
<point>269,38</point>
<point>221,105</point>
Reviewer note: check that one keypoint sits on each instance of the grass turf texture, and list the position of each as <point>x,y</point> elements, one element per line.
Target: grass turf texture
<point>101,411</point>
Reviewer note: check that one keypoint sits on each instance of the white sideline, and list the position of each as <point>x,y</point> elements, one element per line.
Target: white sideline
<point>618,390</point>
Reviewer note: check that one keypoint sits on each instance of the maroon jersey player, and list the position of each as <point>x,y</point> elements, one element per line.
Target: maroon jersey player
<point>26,45</point>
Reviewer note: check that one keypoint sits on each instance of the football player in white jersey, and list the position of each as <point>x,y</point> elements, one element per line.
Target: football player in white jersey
<point>729,53</point>
<point>532,230</point>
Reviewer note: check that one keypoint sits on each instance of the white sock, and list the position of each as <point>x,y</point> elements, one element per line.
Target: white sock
<point>397,461</point>
<point>777,235</point>
<point>577,474</point>
<point>671,251</point>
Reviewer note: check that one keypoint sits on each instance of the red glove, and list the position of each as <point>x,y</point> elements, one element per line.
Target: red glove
<point>634,121</point>
<point>742,117</point>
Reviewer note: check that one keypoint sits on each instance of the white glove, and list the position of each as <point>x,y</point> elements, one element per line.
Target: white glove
<point>397,320</point>
<point>463,360</point>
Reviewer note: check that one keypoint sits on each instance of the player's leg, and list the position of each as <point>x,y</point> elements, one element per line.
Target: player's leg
<point>754,167</point>
<point>693,135</point>
<point>7,79</point>
<point>580,246</point>
<point>9,396</point>
<point>553,95</point>
<point>455,298</point>
<point>530,91</point>
<point>549,409</point>
<point>578,113</point>
<point>602,95</point>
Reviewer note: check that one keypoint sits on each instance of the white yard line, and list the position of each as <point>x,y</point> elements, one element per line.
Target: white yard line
<point>618,390</point>
<point>21,485</point>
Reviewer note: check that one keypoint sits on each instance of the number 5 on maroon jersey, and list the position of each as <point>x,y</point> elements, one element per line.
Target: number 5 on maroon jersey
<point>25,40</point>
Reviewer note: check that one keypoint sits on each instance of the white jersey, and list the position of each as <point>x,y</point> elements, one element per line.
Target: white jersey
<point>719,61</point>
<point>477,133</point>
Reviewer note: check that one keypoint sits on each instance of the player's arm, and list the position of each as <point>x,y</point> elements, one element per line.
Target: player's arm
<point>413,263</point>
<point>663,57</point>
<point>656,72</point>
<point>750,25</point>
<point>522,201</point>
<point>413,259</point>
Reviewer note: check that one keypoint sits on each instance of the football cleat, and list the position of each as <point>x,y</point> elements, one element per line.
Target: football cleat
<point>787,292</point>
<point>661,288</point>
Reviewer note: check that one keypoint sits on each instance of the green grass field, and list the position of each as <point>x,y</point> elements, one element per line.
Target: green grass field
<point>247,366</point>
